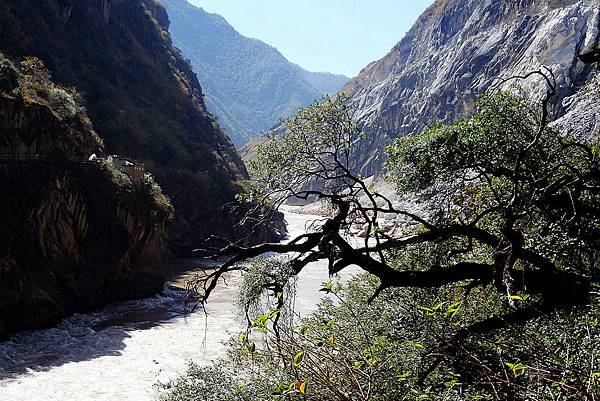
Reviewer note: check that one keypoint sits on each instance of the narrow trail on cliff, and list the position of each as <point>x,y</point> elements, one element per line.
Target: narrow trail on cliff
<point>121,351</point>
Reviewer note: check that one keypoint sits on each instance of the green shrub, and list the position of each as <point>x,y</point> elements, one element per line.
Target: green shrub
<point>493,295</point>
<point>353,349</point>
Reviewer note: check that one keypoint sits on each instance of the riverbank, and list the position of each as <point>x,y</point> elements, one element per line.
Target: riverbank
<point>120,352</point>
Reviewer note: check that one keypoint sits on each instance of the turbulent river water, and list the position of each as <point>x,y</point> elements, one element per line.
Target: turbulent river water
<point>123,350</point>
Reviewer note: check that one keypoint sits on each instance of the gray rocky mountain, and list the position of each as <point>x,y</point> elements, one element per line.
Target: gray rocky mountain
<point>458,49</point>
<point>582,117</point>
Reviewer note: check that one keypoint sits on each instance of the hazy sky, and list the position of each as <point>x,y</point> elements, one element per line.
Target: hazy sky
<point>340,36</point>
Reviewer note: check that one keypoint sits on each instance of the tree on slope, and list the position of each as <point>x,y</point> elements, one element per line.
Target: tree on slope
<point>513,207</point>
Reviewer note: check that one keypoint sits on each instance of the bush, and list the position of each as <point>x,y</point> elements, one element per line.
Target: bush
<point>353,349</point>
<point>35,84</point>
<point>492,295</point>
<point>143,197</point>
<point>63,101</point>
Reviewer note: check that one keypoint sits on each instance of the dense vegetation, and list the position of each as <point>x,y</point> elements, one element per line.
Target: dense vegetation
<point>30,82</point>
<point>248,84</point>
<point>490,293</point>
<point>356,349</point>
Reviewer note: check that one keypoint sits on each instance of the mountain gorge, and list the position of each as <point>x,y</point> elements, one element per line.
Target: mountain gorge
<point>80,81</point>
<point>457,50</point>
<point>142,96</point>
<point>248,84</point>
<point>429,231</point>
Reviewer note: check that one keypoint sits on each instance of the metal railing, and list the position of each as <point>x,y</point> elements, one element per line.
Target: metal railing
<point>23,157</point>
<point>32,157</point>
<point>43,158</point>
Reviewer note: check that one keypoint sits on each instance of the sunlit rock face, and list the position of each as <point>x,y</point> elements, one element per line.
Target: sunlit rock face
<point>582,117</point>
<point>457,50</point>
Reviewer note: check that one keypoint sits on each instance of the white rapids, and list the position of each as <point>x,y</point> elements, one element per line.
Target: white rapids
<point>123,350</point>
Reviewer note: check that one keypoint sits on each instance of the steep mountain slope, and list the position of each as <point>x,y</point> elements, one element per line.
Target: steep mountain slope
<point>144,99</point>
<point>458,49</point>
<point>75,234</point>
<point>582,118</point>
<point>248,84</point>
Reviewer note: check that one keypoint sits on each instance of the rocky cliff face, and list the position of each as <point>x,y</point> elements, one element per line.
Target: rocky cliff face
<point>143,98</point>
<point>582,112</point>
<point>67,245</point>
<point>73,235</point>
<point>249,85</point>
<point>457,50</point>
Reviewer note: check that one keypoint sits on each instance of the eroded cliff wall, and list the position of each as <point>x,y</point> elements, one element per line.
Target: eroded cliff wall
<point>74,234</point>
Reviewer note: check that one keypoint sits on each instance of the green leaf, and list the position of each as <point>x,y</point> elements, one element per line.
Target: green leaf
<point>273,313</point>
<point>281,389</point>
<point>298,359</point>
<point>518,369</point>
<point>405,375</point>
<point>523,297</point>
<point>326,287</point>
<point>453,309</point>
<point>414,344</point>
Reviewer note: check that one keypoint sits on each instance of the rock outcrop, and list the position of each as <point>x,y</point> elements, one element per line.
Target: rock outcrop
<point>23,122</point>
<point>582,112</point>
<point>457,50</point>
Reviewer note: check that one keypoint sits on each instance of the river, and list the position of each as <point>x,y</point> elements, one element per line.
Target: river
<point>123,350</point>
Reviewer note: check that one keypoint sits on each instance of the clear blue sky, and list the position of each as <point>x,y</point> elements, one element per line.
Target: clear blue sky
<point>340,36</point>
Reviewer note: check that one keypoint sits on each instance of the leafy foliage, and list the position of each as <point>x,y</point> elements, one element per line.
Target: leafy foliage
<point>501,170</point>
<point>504,255</point>
<point>317,142</point>
<point>353,349</point>
<point>36,84</point>
<point>142,197</point>
<point>265,275</point>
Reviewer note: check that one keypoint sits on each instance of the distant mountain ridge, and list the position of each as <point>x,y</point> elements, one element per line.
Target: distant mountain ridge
<point>248,84</point>
<point>456,50</point>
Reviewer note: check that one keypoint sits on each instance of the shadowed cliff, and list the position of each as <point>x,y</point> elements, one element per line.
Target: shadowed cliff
<point>143,98</point>
<point>75,233</point>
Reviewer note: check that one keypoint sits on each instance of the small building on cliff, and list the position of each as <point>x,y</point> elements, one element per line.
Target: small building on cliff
<point>133,169</point>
